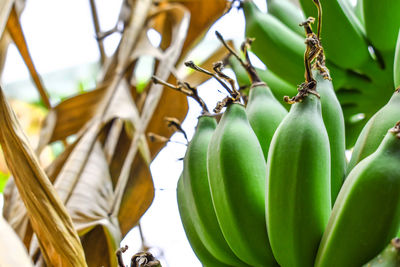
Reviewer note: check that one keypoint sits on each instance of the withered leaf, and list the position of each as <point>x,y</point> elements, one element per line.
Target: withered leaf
<point>52,224</point>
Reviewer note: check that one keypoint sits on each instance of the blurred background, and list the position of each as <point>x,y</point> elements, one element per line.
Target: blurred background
<point>61,39</point>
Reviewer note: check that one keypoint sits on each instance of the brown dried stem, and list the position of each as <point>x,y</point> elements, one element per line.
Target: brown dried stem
<point>186,89</point>
<point>313,50</point>
<point>320,62</point>
<point>251,71</point>
<point>97,30</point>
<point>318,4</point>
<point>217,67</point>
<point>193,66</point>
<point>396,130</point>
<point>118,253</point>
<point>144,259</point>
<point>176,125</point>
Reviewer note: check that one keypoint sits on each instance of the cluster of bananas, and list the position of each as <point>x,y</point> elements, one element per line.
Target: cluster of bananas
<point>359,43</point>
<point>265,186</point>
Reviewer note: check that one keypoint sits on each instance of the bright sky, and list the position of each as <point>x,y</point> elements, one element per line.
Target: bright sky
<point>60,35</point>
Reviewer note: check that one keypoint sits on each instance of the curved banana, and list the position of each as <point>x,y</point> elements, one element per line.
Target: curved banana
<point>236,171</point>
<point>265,114</point>
<point>278,86</point>
<point>396,67</point>
<point>334,122</point>
<point>281,49</point>
<point>189,221</point>
<point>199,195</point>
<point>389,257</point>
<point>288,13</point>
<point>382,23</point>
<point>342,34</point>
<point>366,214</point>
<point>374,131</point>
<point>358,11</point>
<point>298,200</point>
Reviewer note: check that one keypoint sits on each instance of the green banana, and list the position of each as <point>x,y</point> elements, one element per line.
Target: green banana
<point>199,195</point>
<point>366,214</point>
<point>236,171</point>
<point>298,199</point>
<point>358,11</point>
<point>382,23</point>
<point>396,67</point>
<point>288,13</point>
<point>334,122</point>
<point>279,87</point>
<point>389,257</point>
<point>276,45</point>
<point>375,129</point>
<point>265,114</point>
<point>342,34</point>
<point>189,221</point>
<point>280,48</point>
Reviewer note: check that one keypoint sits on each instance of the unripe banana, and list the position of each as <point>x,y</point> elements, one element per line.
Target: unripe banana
<point>334,122</point>
<point>342,34</point>
<point>236,171</point>
<point>189,221</point>
<point>298,200</point>
<point>366,214</point>
<point>199,195</point>
<point>389,257</point>
<point>382,23</point>
<point>279,87</point>
<point>396,67</point>
<point>288,13</point>
<point>279,47</point>
<point>276,45</point>
<point>265,114</point>
<point>375,129</point>
<point>358,11</point>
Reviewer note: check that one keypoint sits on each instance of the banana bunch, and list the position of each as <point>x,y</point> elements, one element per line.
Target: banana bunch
<point>366,214</point>
<point>360,43</point>
<point>265,186</point>
<point>389,257</point>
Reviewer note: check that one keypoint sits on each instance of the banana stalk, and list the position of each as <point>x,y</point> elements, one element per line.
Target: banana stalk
<point>343,36</point>
<point>374,131</point>
<point>279,87</point>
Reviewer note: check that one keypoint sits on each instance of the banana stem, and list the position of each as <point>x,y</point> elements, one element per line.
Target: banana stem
<point>318,4</point>
<point>396,130</point>
<point>313,50</point>
<point>193,66</point>
<point>217,67</point>
<point>118,254</point>
<point>251,71</point>
<point>186,89</point>
<point>176,125</point>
